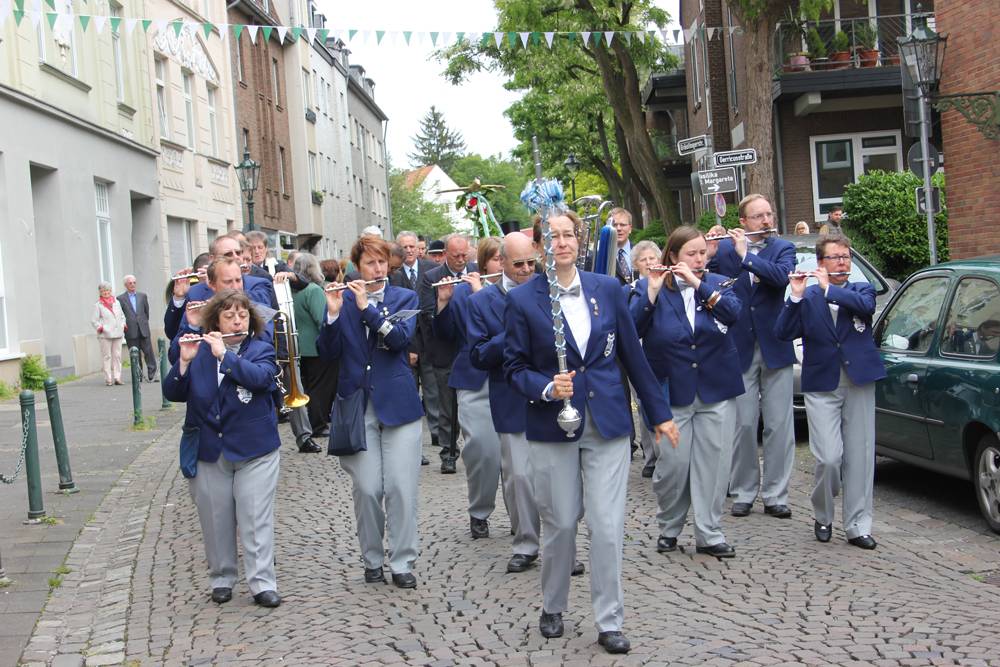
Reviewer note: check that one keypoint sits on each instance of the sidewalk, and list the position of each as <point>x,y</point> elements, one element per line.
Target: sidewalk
<point>137,593</point>
<point>101,445</point>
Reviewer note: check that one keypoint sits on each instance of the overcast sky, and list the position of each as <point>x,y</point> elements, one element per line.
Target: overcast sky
<point>407,82</point>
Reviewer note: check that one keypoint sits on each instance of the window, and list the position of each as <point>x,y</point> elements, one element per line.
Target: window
<point>3,307</point>
<point>246,140</point>
<point>104,247</point>
<point>63,35</point>
<point>116,50</point>
<point>322,172</point>
<point>189,108</point>
<point>347,184</point>
<point>281,169</point>
<point>973,324</point>
<point>838,160</point>
<point>162,105</point>
<point>695,70</point>
<point>306,89</point>
<point>213,120</point>
<point>319,90</point>
<point>180,236</point>
<point>275,87</point>
<point>911,323</point>
<point>329,101</point>
<point>708,78</point>
<point>312,171</point>
<point>343,109</point>
<point>734,98</point>
<point>330,171</point>
<point>239,59</point>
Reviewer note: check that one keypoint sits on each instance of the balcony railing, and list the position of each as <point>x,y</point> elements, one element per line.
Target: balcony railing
<point>870,41</point>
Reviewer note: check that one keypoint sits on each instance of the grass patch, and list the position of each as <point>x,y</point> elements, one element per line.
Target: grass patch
<point>62,569</point>
<point>981,578</point>
<point>4,583</point>
<point>7,391</point>
<point>50,521</point>
<point>55,582</point>
<point>148,423</point>
<point>68,378</point>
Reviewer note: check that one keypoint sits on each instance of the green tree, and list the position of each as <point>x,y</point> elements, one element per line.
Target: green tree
<point>412,212</point>
<point>496,170</point>
<point>583,96</point>
<point>435,143</point>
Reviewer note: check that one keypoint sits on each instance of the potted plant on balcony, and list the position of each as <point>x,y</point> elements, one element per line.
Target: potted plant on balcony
<point>840,51</point>
<point>317,196</point>
<point>793,31</point>
<point>867,37</point>
<point>817,50</point>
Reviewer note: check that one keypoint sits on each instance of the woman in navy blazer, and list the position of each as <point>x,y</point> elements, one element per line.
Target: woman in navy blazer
<point>840,365</point>
<point>373,352</point>
<point>685,331</point>
<point>226,377</point>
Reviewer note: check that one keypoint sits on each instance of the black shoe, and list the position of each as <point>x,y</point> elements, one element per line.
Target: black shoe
<point>863,541</point>
<point>635,448</point>
<point>424,461</point>
<point>447,466</point>
<point>550,625</point>
<point>153,378</point>
<point>479,528</point>
<point>322,433</point>
<point>435,443</point>
<point>665,544</point>
<point>614,641</point>
<point>578,569</point>
<point>404,580</point>
<point>740,509</point>
<point>310,446</point>
<point>520,562</point>
<point>222,595</point>
<point>647,471</point>
<point>823,533</point>
<point>267,598</point>
<point>720,550</point>
<point>778,511</point>
<point>282,417</point>
<point>374,575</point>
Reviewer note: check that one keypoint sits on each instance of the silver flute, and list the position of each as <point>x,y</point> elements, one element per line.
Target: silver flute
<point>228,335</point>
<point>182,276</point>
<point>569,418</point>
<point>810,274</point>
<point>341,288</point>
<point>455,281</point>
<point>673,269</point>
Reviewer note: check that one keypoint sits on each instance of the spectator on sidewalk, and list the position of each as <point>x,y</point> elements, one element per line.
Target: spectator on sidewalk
<point>109,322</point>
<point>135,305</point>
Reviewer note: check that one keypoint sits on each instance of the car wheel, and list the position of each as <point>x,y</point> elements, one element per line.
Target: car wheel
<point>986,476</point>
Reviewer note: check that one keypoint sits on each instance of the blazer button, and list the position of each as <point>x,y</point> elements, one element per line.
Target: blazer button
<point>694,365</point>
<point>368,367</point>
<point>752,307</point>
<point>218,416</point>
<point>847,362</point>
<point>583,368</point>
<point>220,435</point>
<point>591,394</point>
<point>694,347</point>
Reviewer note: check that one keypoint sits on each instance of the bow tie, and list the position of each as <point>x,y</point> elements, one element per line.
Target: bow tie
<point>575,290</point>
<point>376,297</point>
<point>682,284</point>
<point>757,245</point>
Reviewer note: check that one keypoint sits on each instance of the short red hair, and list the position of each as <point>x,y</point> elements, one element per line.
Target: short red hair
<point>371,245</point>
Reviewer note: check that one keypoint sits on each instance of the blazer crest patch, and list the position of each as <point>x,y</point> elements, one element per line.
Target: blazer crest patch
<point>245,395</point>
<point>610,347</point>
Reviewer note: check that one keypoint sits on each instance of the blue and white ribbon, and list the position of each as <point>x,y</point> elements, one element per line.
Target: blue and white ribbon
<point>544,194</point>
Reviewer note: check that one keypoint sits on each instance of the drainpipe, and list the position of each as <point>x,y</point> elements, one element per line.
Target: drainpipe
<point>780,166</point>
<point>388,194</point>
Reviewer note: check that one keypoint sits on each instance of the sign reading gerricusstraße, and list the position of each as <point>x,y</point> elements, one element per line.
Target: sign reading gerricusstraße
<point>712,181</point>
<point>734,158</point>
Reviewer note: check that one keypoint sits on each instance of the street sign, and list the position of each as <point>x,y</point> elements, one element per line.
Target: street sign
<point>712,181</point>
<point>935,200</point>
<point>692,144</point>
<point>734,158</point>
<point>720,205</point>
<point>916,165</point>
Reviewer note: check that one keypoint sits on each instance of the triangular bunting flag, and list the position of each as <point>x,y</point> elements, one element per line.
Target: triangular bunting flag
<point>711,33</point>
<point>536,38</point>
<point>84,21</point>
<point>498,38</point>
<point>206,28</point>
<point>459,36</point>
<point>177,26</point>
<point>18,15</point>
<point>51,18</point>
<point>130,25</point>
<point>99,22</point>
<point>19,6</point>
<point>608,36</point>
<point>474,37</point>
<point>586,38</point>
<point>310,34</point>
<point>115,22</point>
<point>282,32</point>
<point>145,25</point>
<point>323,34</point>
<point>36,18</point>
<point>664,34</point>
<point>548,38</point>
<point>434,38</point>
<point>446,38</point>
<point>641,34</point>
<point>597,38</point>
<point>252,31</point>
<point>652,35</point>
<point>571,36</point>
<point>296,33</point>
<point>512,39</point>
<point>379,34</point>
<point>676,34</point>
<point>351,34</point>
<point>51,3</point>
<point>223,32</point>
<point>161,25</point>
<point>237,30</point>
<point>266,31</point>
<point>407,34</point>
<point>524,38</point>
<point>628,38</point>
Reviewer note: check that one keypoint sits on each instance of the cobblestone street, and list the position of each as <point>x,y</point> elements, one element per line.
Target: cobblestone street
<point>137,592</point>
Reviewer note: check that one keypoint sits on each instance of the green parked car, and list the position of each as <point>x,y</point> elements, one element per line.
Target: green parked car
<point>939,406</point>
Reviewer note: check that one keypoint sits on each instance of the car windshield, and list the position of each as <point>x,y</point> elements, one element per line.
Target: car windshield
<point>805,260</point>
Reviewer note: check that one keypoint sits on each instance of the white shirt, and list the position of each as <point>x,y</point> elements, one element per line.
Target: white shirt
<point>688,295</point>
<point>576,318</point>
<point>411,271</point>
<point>834,308</point>
<point>507,283</point>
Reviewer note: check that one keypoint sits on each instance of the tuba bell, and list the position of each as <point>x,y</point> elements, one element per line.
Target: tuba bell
<point>284,328</point>
<point>597,241</point>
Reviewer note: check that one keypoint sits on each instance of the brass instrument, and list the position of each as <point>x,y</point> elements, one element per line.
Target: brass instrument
<point>294,396</point>
<point>591,233</point>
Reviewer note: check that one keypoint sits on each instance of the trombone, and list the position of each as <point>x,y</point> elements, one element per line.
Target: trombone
<point>294,396</point>
<point>592,237</point>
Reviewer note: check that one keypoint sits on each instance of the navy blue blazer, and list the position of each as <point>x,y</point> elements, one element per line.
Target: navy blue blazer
<point>487,335</point>
<point>703,362</point>
<point>761,302</point>
<point>452,324</point>
<point>383,374</point>
<point>530,360</point>
<point>828,346</point>
<point>236,416</point>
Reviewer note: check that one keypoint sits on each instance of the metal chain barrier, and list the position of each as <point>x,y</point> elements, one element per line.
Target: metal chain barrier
<point>24,447</point>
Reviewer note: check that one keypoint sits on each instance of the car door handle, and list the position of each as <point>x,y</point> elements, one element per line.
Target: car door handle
<point>912,378</point>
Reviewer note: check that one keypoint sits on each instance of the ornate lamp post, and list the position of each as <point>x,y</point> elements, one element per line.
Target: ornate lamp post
<point>923,53</point>
<point>572,166</point>
<point>248,172</point>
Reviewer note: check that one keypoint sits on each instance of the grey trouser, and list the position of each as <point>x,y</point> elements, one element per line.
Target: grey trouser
<point>298,418</point>
<point>446,409</point>
<point>774,388</point>
<point>145,346</point>
<point>592,471</point>
<point>481,453</point>
<point>688,476</point>
<point>646,438</point>
<point>842,440</point>
<point>238,496</point>
<point>518,493</point>
<point>429,391</point>
<point>388,470</point>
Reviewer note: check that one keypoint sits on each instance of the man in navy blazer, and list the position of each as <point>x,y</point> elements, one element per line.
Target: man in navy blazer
<point>760,264</point>
<point>591,465</point>
<point>840,365</point>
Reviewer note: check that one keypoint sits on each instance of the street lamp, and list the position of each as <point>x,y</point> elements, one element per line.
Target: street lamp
<point>248,172</point>
<point>922,52</point>
<point>572,166</point>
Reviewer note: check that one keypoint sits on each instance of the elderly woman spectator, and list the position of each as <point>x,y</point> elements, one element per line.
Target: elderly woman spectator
<point>801,228</point>
<point>319,376</point>
<point>644,255</point>
<point>109,322</point>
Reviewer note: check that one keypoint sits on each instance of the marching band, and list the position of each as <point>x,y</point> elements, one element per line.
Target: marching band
<point>702,336</point>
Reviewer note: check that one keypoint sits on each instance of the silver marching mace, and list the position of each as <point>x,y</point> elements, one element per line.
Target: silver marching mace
<point>569,418</point>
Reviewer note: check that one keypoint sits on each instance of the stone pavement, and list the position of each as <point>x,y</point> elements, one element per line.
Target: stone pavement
<point>137,593</point>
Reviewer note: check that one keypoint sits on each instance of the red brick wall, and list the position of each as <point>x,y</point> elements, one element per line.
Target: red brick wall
<point>972,168</point>
<point>267,121</point>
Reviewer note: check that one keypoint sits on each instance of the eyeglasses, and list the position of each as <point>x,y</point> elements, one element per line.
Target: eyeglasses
<point>520,263</point>
<point>838,258</point>
<point>232,253</point>
<point>621,225</point>
<point>761,216</point>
